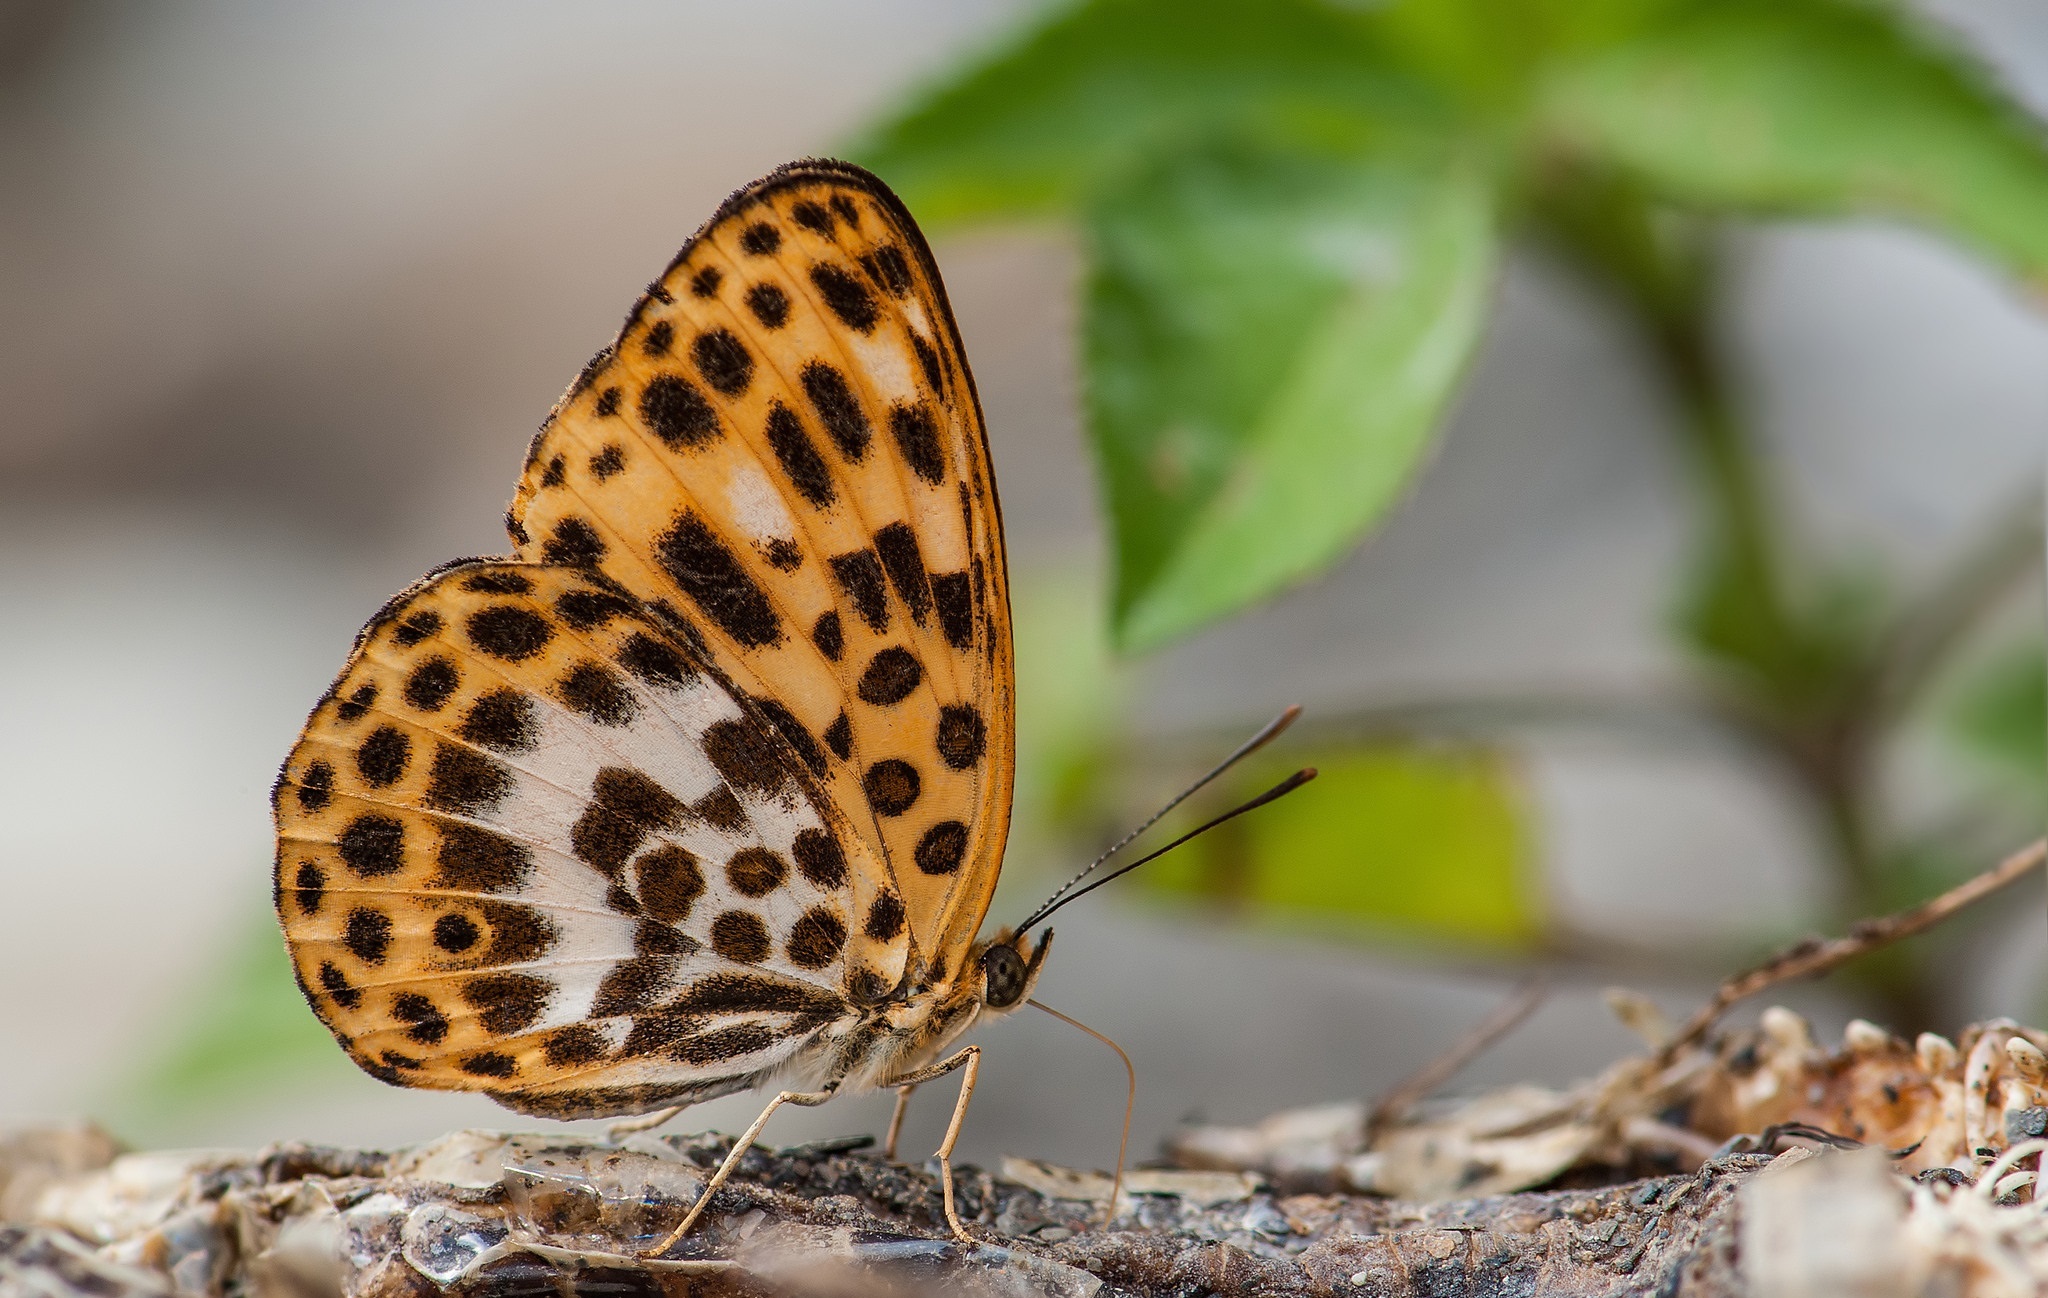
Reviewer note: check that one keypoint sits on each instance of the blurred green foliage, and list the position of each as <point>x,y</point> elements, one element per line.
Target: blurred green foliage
<point>1397,841</point>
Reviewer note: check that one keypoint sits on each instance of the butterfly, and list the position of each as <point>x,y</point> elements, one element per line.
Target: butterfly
<point>705,785</point>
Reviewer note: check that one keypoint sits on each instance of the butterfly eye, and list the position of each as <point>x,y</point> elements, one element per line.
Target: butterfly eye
<point>1002,971</point>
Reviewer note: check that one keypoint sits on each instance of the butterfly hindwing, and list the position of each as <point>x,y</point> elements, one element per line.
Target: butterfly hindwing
<point>783,456</point>
<point>533,844</point>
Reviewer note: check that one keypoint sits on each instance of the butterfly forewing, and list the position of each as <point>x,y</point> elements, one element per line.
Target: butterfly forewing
<point>530,845</point>
<point>783,454</point>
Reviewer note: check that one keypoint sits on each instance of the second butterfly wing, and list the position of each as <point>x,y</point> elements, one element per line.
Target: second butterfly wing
<point>783,456</point>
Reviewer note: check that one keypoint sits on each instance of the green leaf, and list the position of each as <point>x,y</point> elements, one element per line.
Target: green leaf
<point>2001,716</point>
<point>1271,341</point>
<point>1081,96</point>
<point>1429,843</point>
<point>1813,107</point>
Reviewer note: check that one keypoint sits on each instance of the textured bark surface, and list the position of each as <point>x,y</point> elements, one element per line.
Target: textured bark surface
<point>480,1214</point>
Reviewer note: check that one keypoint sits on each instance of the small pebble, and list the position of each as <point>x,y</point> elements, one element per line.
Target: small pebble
<point>1648,1194</point>
<point>1054,1234</point>
<point>2026,1124</point>
<point>1361,1278</point>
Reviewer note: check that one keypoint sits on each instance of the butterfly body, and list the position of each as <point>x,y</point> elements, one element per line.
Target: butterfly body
<point>705,786</point>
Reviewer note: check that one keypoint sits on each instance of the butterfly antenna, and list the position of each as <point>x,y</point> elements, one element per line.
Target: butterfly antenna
<point>1280,790</point>
<point>1123,1144</point>
<point>1266,735</point>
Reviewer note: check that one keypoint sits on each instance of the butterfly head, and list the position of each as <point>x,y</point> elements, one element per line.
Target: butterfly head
<point>1009,967</point>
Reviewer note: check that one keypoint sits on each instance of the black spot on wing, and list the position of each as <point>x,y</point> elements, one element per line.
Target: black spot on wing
<point>490,1063</point>
<point>455,933</point>
<point>357,704</point>
<point>429,684</point>
<point>917,436</point>
<point>596,691</point>
<point>891,676</point>
<point>838,409</point>
<point>586,609</point>
<point>503,720</point>
<point>609,462</point>
<point>942,848</point>
<point>755,871</point>
<point>746,755</point>
<point>309,887</point>
<point>497,582</point>
<point>372,846</point>
<point>507,1003</point>
<point>885,917</point>
<point>811,217</point>
<point>607,403</point>
<point>740,936</point>
<point>655,663</point>
<point>769,304</point>
<point>904,563</point>
<point>700,564</point>
<point>382,758</point>
<point>705,282</point>
<point>955,602</point>
<point>887,267</point>
<point>677,413</point>
<point>556,472</point>
<point>336,984</point>
<point>892,786</point>
<point>367,935</point>
<point>839,737</point>
<point>417,628</point>
<point>829,636</point>
<point>793,733</point>
<point>465,781</point>
<point>625,807</point>
<point>670,881</point>
<point>429,1026</point>
<point>819,858</point>
<point>519,934</point>
<point>928,358</point>
<point>860,577</point>
<point>575,543</point>
<point>798,457</point>
<point>509,632</point>
<point>760,239</point>
<point>475,859</point>
<point>724,361</point>
<point>632,985</point>
<point>963,736</point>
<point>848,298</point>
<point>659,339</point>
<point>847,212</point>
<point>579,1043</point>
<point>316,784</point>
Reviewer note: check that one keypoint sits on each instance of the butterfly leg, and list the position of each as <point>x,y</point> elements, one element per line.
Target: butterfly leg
<point>903,1094</point>
<point>970,1057</point>
<point>807,1099</point>
<point>645,1122</point>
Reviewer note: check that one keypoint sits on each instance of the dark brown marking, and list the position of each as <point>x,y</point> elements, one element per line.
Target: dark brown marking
<point>373,846</point>
<point>660,294</point>
<point>811,217</point>
<point>316,786</point>
<point>860,578</point>
<point>509,632</point>
<point>798,457</point>
<point>740,936</point>
<point>756,871</point>
<point>721,1044</point>
<point>607,403</point>
<point>848,213</point>
<point>417,628</point>
<point>749,993</point>
<point>793,733</point>
<point>574,544</point>
<point>760,239</point>
<point>579,1043</point>
<point>904,563</point>
<point>677,413</point>
<point>658,1032</point>
<point>885,917</point>
<point>724,361</point>
<point>309,887</point>
<point>490,1063</point>
<point>745,755</point>
<point>942,849</point>
<point>955,602</point>
<point>584,610</point>
<point>819,859</point>
<point>659,339</point>
<point>428,685</point>
<point>892,786</point>
<point>670,881</point>
<point>336,984</point>
<point>555,473</point>
<point>352,709</point>
<point>465,781</point>
<point>705,282</point>
<point>632,985</point>
<point>892,676</point>
<point>838,409</point>
<point>367,935</point>
<point>829,636</point>
<point>501,720</point>
<point>474,859</point>
<point>699,563</point>
<point>429,1025</point>
<point>625,807</point>
<point>655,663</point>
<point>839,737</point>
<point>816,939</point>
<point>455,933</point>
<point>519,934</point>
<point>917,436</point>
<point>963,737</point>
<point>507,1003</point>
<point>887,267</point>
<point>497,581</point>
<point>650,938</point>
<point>608,462</point>
<point>929,359</point>
<point>848,298</point>
<point>769,304</point>
<point>721,810</point>
<point>783,554</point>
<point>597,692</point>
<point>394,1059</point>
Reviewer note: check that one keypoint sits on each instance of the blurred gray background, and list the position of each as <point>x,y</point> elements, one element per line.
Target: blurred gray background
<point>287,287</point>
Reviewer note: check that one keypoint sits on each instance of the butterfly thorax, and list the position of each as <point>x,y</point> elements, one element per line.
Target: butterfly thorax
<point>926,1020</point>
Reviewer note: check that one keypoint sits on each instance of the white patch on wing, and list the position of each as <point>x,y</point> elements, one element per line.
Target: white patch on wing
<point>756,506</point>
<point>885,364</point>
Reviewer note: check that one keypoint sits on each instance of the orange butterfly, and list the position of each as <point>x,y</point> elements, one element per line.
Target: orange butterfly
<point>706,785</point>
